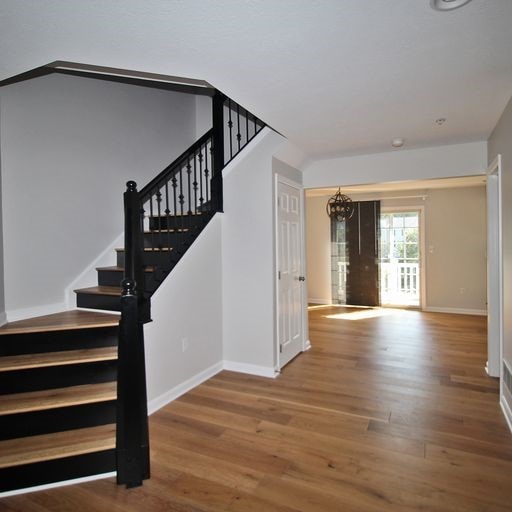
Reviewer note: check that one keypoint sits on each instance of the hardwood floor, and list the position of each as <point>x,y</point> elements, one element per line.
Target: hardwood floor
<point>389,411</point>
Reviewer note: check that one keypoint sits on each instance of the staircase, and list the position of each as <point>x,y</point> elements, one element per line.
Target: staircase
<point>72,384</point>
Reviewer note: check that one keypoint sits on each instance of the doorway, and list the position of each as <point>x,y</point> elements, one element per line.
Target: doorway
<point>400,257</point>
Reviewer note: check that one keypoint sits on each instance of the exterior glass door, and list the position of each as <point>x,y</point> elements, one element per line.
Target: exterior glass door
<point>400,258</point>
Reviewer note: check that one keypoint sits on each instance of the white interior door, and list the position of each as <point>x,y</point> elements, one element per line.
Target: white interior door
<point>290,268</point>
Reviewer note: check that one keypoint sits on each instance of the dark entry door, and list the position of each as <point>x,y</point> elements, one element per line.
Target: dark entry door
<point>362,237</point>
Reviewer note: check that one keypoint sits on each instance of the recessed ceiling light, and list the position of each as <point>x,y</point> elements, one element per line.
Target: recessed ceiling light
<point>397,142</point>
<point>447,5</point>
<point>441,120</point>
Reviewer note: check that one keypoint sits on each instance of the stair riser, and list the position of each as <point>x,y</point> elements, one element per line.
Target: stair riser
<point>93,301</point>
<point>152,259</point>
<point>112,277</point>
<point>163,239</point>
<point>41,473</point>
<point>14,426</point>
<point>35,379</point>
<point>56,341</point>
<point>187,221</point>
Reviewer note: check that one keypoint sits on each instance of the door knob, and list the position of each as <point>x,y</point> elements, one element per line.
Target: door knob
<point>302,278</point>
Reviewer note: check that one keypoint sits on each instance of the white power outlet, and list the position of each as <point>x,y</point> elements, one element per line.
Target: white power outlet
<point>184,344</point>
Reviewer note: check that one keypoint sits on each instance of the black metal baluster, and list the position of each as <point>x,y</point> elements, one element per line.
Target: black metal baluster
<point>174,182</point>
<point>230,124</point>
<point>238,135</point>
<point>189,185</point>
<point>181,198</point>
<point>207,186</point>
<point>151,220</point>
<point>158,202</point>
<point>200,157</point>
<point>201,198</point>
<point>255,125</point>
<point>167,212</point>
<point>246,126</point>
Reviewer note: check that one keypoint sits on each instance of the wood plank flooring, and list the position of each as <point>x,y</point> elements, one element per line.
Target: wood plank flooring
<point>389,411</point>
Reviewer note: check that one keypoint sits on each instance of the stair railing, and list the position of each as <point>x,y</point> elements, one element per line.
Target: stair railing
<point>159,224</point>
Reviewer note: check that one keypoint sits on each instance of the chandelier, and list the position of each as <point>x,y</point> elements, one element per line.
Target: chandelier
<point>340,207</point>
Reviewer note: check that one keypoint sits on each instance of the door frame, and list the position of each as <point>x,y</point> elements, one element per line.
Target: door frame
<point>306,345</point>
<point>494,270</point>
<point>423,254</point>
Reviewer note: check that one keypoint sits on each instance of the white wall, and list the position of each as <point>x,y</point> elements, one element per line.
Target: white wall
<point>456,249</point>
<point>188,305</point>
<point>2,299</point>
<point>287,171</point>
<point>68,146</point>
<point>248,265</point>
<point>500,142</point>
<point>455,240</point>
<point>413,164</point>
<point>318,250</point>
<point>203,115</point>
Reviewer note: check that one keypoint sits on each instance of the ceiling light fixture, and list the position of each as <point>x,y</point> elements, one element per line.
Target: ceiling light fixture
<point>397,142</point>
<point>447,5</point>
<point>340,207</point>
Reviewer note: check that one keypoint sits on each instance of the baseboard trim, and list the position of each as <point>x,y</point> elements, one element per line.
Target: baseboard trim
<point>307,345</point>
<point>251,369</point>
<point>3,318</point>
<point>456,311</point>
<point>54,485</point>
<point>507,412</point>
<point>323,302</point>
<point>22,314</point>
<point>160,401</point>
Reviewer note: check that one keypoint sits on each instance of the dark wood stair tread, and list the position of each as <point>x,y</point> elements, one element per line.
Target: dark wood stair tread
<point>150,249</point>
<point>176,215</point>
<point>101,290</point>
<point>67,320</point>
<point>27,450</point>
<point>121,269</point>
<point>172,230</point>
<point>65,357</point>
<point>54,398</point>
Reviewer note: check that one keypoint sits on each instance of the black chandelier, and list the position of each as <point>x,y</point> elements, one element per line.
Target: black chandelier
<point>340,207</point>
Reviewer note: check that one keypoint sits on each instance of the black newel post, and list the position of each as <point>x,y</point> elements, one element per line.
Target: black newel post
<point>218,150</point>
<point>132,437</point>
<point>133,230</point>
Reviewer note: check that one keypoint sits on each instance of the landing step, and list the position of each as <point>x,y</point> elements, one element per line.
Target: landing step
<point>23,362</point>
<point>28,450</point>
<point>54,398</point>
<point>67,320</point>
<point>101,290</point>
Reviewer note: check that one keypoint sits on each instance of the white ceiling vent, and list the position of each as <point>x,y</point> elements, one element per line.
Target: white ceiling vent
<point>447,5</point>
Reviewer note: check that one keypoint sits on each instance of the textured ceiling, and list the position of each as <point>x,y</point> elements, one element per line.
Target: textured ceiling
<point>334,76</point>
